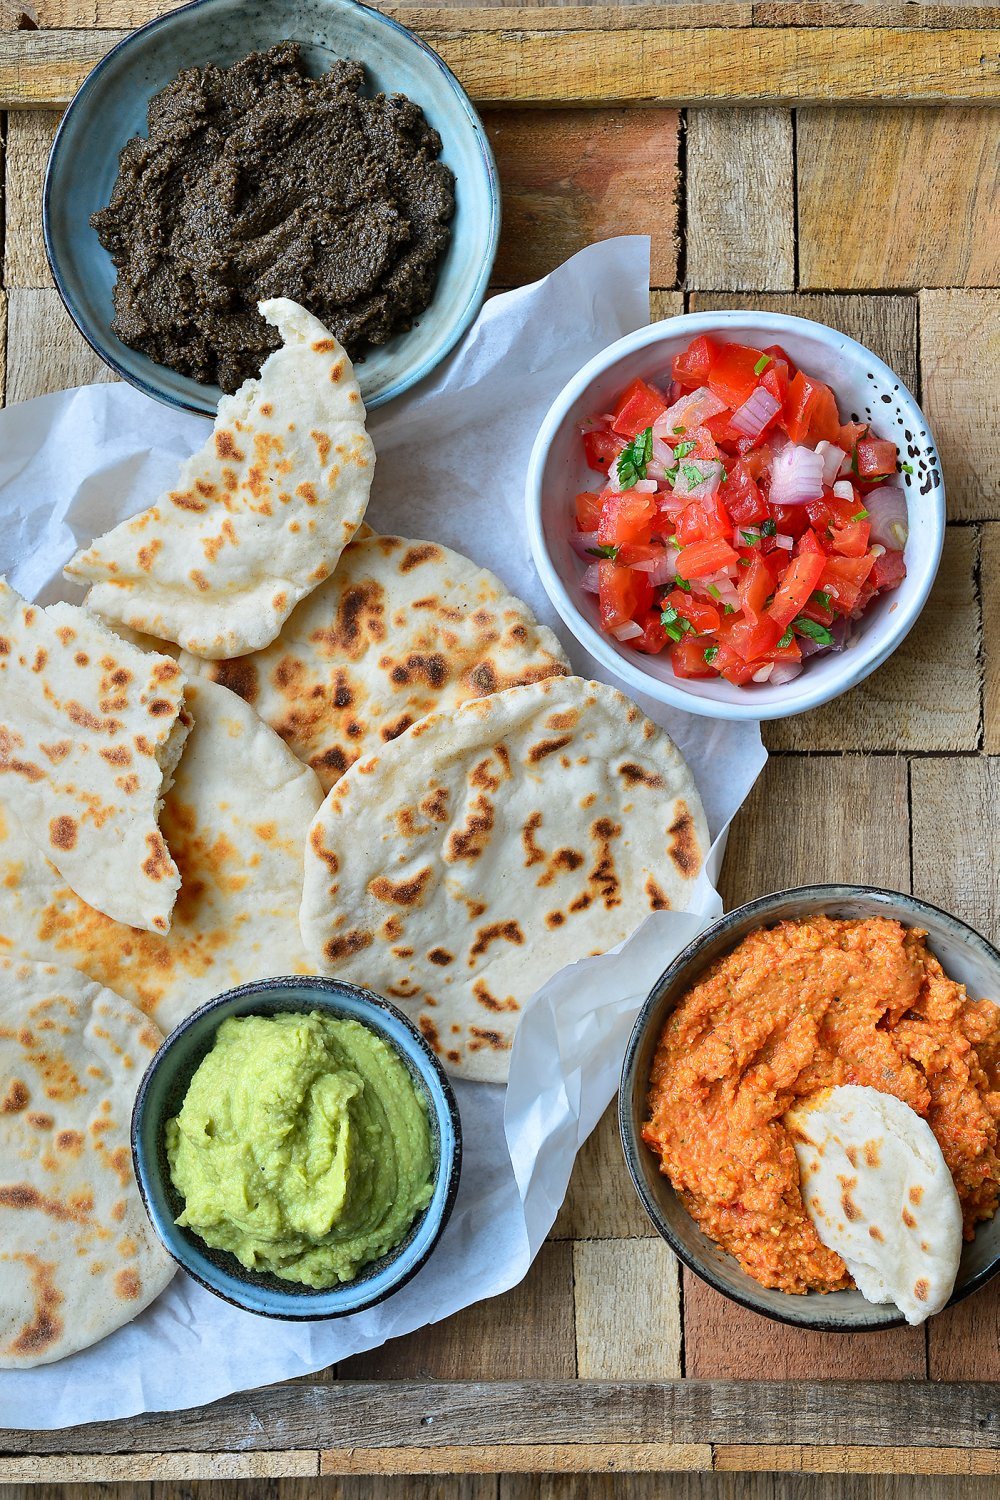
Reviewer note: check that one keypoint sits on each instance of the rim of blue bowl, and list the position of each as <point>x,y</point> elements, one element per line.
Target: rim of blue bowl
<point>331,988</point>
<point>633,1148</point>
<point>419,372</point>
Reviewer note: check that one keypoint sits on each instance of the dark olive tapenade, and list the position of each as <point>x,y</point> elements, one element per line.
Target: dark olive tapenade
<point>258,181</point>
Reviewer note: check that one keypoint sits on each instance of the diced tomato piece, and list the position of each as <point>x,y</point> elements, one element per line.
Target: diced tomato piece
<point>888,572</point>
<point>801,579</point>
<point>702,615</point>
<point>702,520</point>
<point>810,413</point>
<point>705,446</point>
<point>627,517</point>
<point>822,614</point>
<point>850,434</point>
<point>588,510</point>
<point>777,353</point>
<point>600,449</point>
<point>718,425</point>
<point>702,559</point>
<point>756,462</point>
<point>623,594</point>
<point>875,457</point>
<point>750,639</point>
<point>790,520</point>
<point>755,586</point>
<point>743,499</point>
<point>732,667</point>
<point>776,380</point>
<point>687,656</point>
<point>637,409</point>
<point>653,638</point>
<point>810,541</point>
<point>690,369</point>
<point>851,540</point>
<point>842,578</point>
<point>789,652</point>
<point>731,375</point>
<point>634,552</point>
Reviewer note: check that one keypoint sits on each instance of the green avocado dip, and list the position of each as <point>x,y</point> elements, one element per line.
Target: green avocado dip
<point>302,1147</point>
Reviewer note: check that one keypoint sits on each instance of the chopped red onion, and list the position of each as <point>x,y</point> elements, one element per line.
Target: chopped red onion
<point>662,454</point>
<point>591,580</point>
<point>844,489</point>
<point>645,486</point>
<point>887,515</point>
<point>796,476</point>
<point>582,542</point>
<point>776,440</point>
<point>757,411</point>
<point>629,631</point>
<point>785,671</point>
<point>809,647</point>
<point>786,543</point>
<point>687,414</point>
<point>661,570</point>
<point>763,674</point>
<point>670,504</point>
<point>833,458</point>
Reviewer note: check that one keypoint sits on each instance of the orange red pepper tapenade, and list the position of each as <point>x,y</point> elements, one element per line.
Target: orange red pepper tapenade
<point>794,1009</point>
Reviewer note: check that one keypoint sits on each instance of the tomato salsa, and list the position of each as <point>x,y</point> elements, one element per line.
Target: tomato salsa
<point>742,526</point>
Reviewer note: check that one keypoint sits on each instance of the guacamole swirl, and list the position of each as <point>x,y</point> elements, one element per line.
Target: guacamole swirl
<point>302,1147</point>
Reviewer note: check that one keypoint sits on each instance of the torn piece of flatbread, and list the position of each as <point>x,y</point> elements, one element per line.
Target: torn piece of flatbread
<point>403,628</point>
<point>877,1188</point>
<point>260,514</point>
<point>91,729</point>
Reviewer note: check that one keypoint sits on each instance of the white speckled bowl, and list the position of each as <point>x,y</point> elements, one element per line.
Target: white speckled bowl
<point>865,389</point>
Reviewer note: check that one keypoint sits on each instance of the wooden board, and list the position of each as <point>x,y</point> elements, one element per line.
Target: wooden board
<point>607,1361</point>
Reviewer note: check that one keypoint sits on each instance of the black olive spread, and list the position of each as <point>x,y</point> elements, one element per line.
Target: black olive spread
<point>258,181</point>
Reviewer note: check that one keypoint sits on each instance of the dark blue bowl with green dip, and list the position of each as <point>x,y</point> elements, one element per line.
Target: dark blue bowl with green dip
<point>298,1147</point>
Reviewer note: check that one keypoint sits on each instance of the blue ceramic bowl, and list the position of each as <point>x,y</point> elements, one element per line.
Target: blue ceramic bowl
<point>965,956</point>
<point>110,108</point>
<point>161,1094</point>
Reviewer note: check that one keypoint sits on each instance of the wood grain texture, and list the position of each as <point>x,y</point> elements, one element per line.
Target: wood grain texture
<point>601,1202</point>
<point>528,1332</point>
<point>45,351</point>
<point>959,343</point>
<point>740,199</point>
<point>138,1468</point>
<point>964,1342</point>
<point>3,348</point>
<point>927,695</point>
<point>518,1458</point>
<point>441,16</point>
<point>697,64</point>
<point>845,13</point>
<point>628,1313</point>
<point>955,863</point>
<point>885,325</point>
<point>887,1461</point>
<point>573,177</point>
<point>990,583</point>
<point>931,180</point>
<point>29,136</point>
<point>665,305</point>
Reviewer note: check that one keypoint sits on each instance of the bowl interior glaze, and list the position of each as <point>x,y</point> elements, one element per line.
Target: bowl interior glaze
<point>965,956</point>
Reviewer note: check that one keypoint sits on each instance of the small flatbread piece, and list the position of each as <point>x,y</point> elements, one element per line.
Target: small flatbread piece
<point>402,629</point>
<point>460,867</point>
<point>878,1190</point>
<point>91,729</point>
<point>78,1257</point>
<point>260,514</point>
<point>236,818</point>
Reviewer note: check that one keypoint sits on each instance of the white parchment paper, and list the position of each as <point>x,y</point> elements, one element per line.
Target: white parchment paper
<point>451,459</point>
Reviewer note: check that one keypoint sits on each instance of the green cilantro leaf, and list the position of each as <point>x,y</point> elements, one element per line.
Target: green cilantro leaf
<point>861,515</point>
<point>692,475</point>
<point>906,468</point>
<point>682,584</point>
<point>769,527</point>
<point>762,364</point>
<point>669,615</point>
<point>714,591</point>
<point>728,609</point>
<point>608,553</point>
<point>683,449</point>
<point>751,538</point>
<point>634,457</point>
<point>815,632</point>
<point>678,432</point>
<point>786,639</point>
<point>711,652</point>
<point>672,627</point>
<point>823,600</point>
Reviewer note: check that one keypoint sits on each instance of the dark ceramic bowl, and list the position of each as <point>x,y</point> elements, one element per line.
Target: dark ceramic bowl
<point>161,1094</point>
<point>110,108</point>
<point>965,956</point>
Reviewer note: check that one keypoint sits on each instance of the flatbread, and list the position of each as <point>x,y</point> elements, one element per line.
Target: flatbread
<point>78,1257</point>
<point>236,819</point>
<point>260,514</point>
<point>471,858</point>
<point>90,731</point>
<point>403,628</point>
<point>878,1190</point>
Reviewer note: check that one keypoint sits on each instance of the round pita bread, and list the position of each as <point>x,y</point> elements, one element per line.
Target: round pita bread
<point>236,820</point>
<point>78,1257</point>
<point>259,515</point>
<point>460,867</point>
<point>402,629</point>
<point>878,1190</point>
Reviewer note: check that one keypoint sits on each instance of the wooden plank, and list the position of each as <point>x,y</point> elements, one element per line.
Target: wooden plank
<point>601,1202</point>
<point>843,13</point>
<point>861,1461</point>
<point>3,348</point>
<point>573,177</point>
<point>964,1341</point>
<point>29,136</point>
<point>478,1344</point>
<point>628,1313</point>
<point>695,65</point>
<point>44,350</point>
<point>990,579</point>
<point>520,1458</point>
<point>740,199</point>
<point>885,325</point>
<point>140,1468</point>
<point>927,695</point>
<point>440,17</point>
<point>930,179</point>
<point>665,305</point>
<point>959,343</point>
<point>955,803</point>
<point>444,1414</point>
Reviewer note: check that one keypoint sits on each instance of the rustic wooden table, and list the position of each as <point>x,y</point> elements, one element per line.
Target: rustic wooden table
<point>841,162</point>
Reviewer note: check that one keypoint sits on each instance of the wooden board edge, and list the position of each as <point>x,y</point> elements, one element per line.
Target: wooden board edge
<point>745,1459</point>
<point>522,1458</point>
<point>136,1468</point>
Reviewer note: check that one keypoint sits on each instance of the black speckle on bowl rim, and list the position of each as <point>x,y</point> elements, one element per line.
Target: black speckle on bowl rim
<point>762,911</point>
<point>269,992</point>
